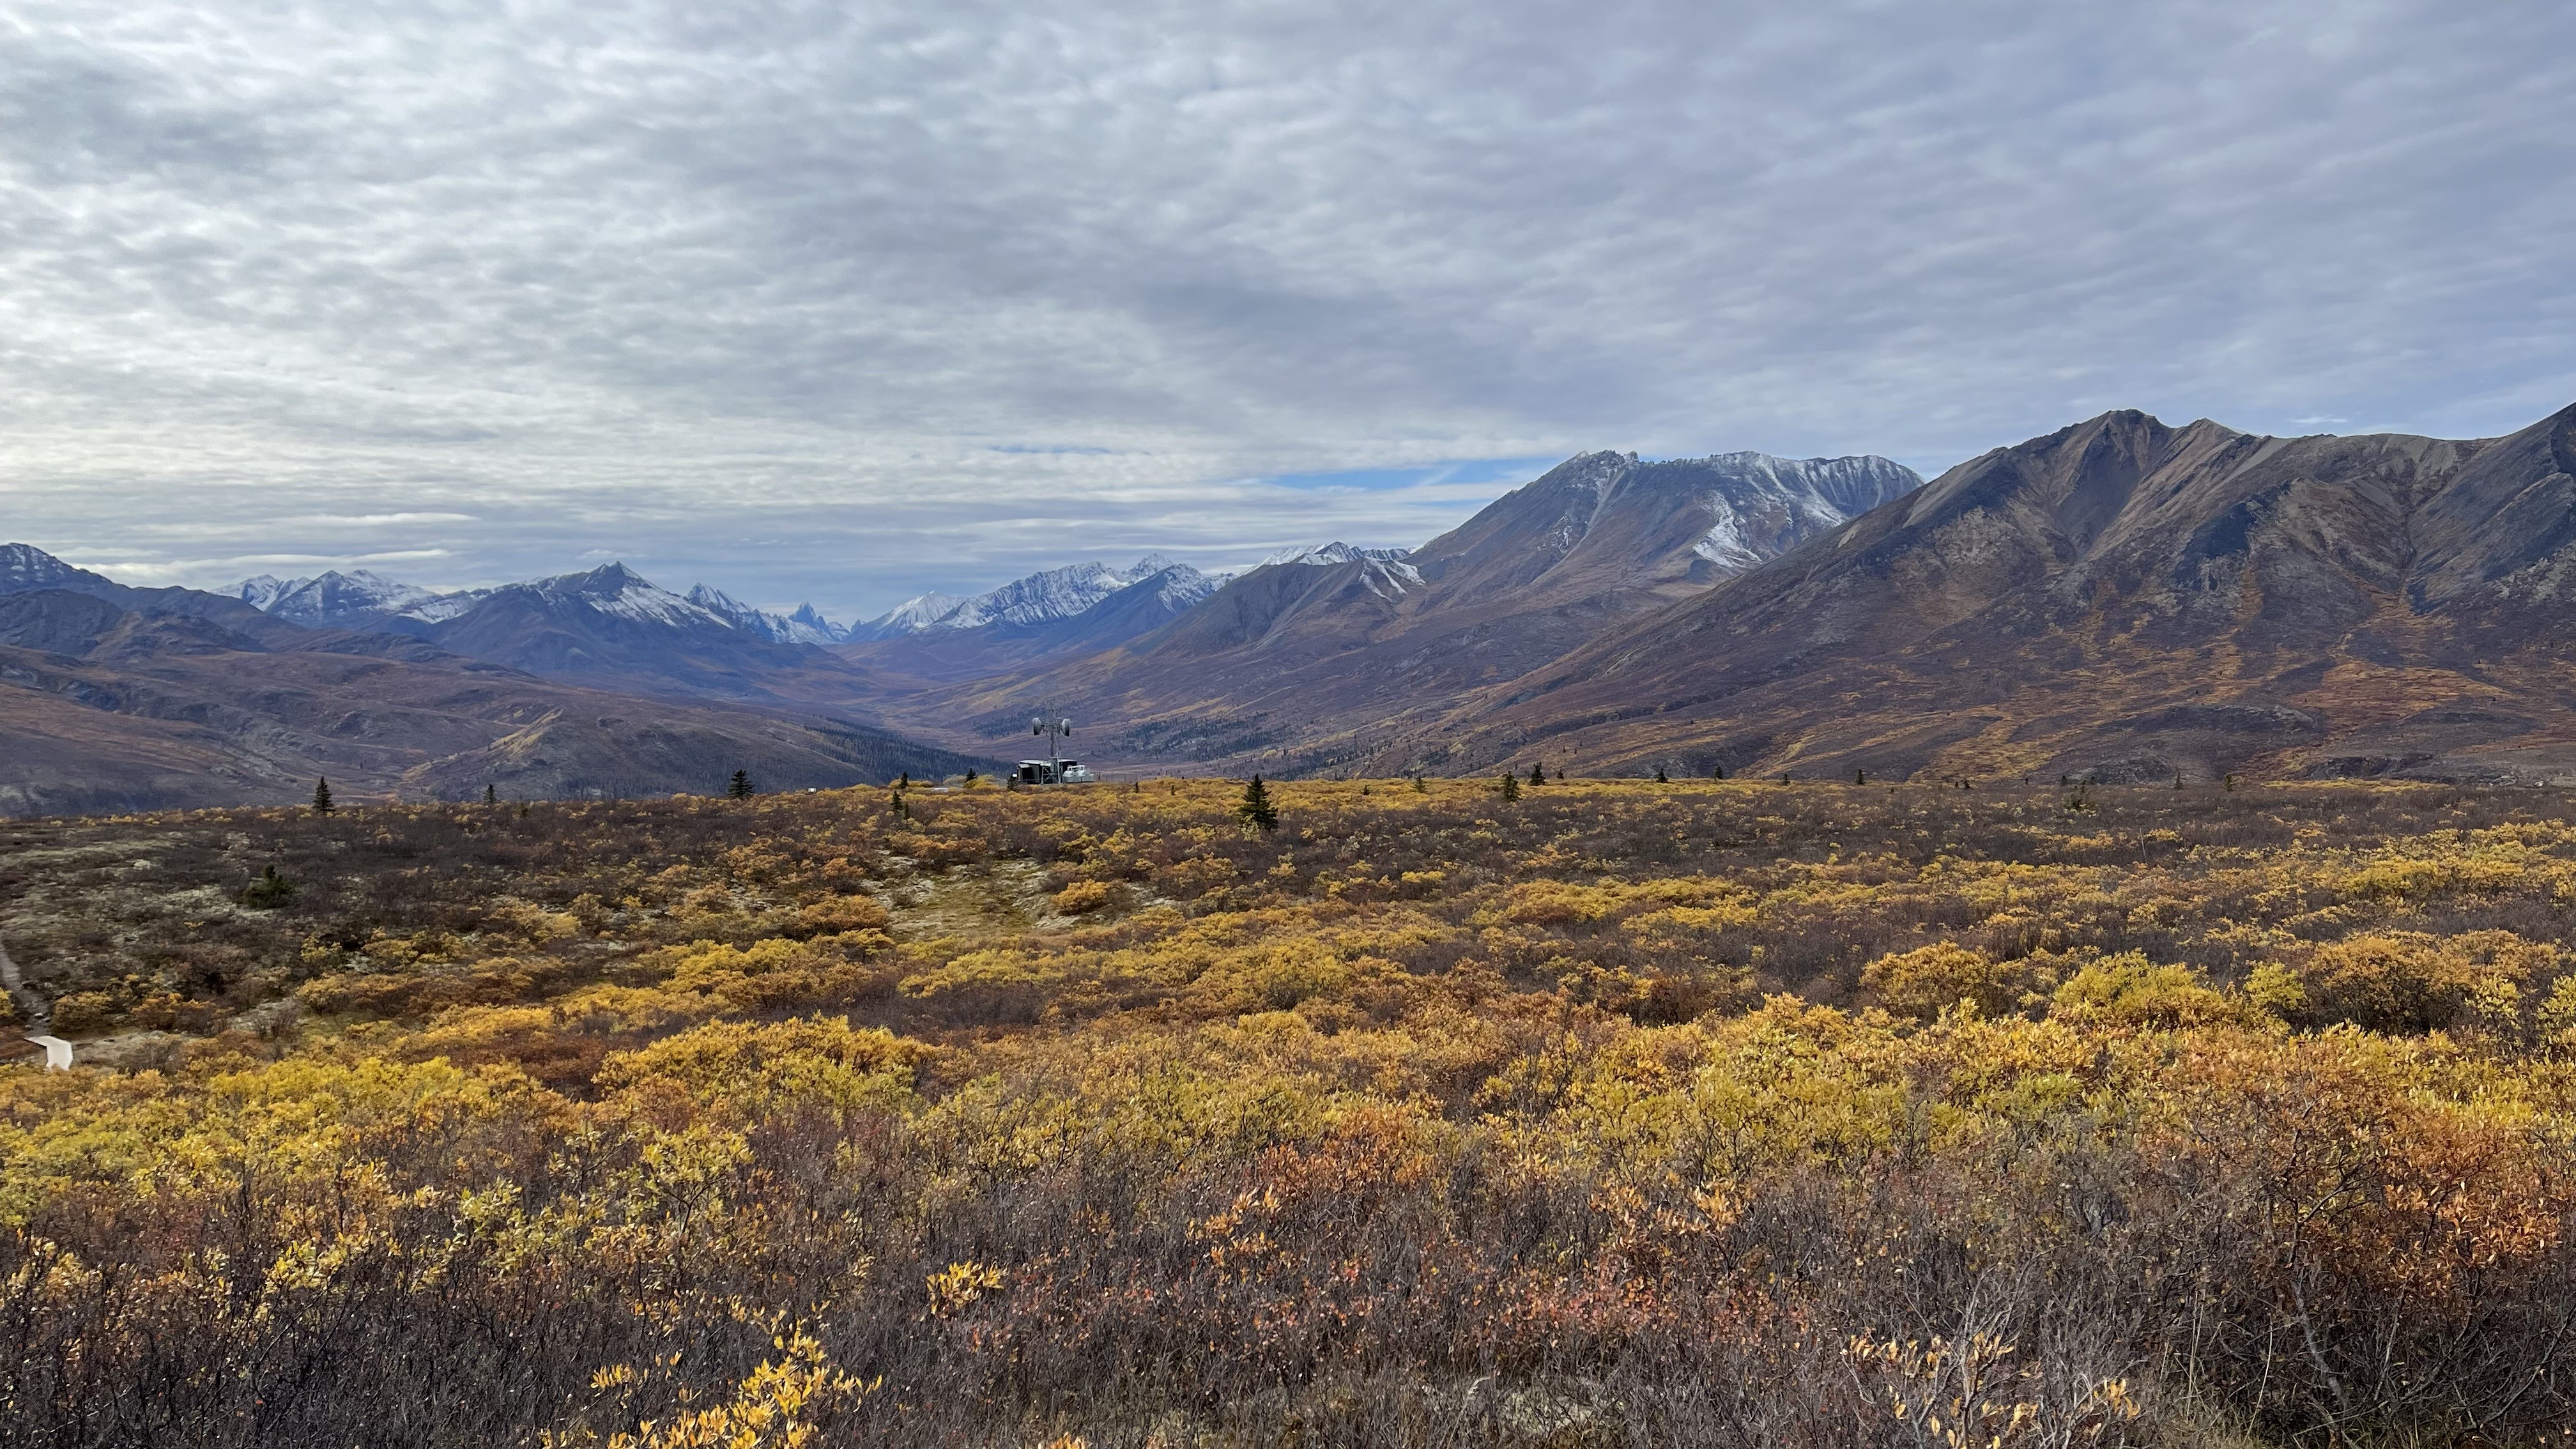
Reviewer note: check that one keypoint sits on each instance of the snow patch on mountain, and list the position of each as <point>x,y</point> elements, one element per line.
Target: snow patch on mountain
<point>331,600</point>
<point>1041,598</point>
<point>263,592</point>
<point>805,626</point>
<point>25,568</point>
<point>1757,493</point>
<point>621,593</point>
<point>1336,553</point>
<point>1389,578</point>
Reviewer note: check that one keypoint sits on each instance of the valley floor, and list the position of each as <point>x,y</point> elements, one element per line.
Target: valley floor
<point>1616,1113</point>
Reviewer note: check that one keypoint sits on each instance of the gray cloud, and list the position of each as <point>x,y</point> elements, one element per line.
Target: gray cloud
<point>847,302</point>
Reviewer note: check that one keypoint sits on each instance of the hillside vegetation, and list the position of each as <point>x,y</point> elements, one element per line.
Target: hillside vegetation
<point>1615,1114</point>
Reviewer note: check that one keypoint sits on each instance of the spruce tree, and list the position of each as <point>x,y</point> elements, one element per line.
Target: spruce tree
<point>1659,776</point>
<point>1256,808</point>
<point>1538,776</point>
<point>1717,772</point>
<point>740,787</point>
<point>322,796</point>
<point>1860,777</point>
<point>269,891</point>
<point>491,796</point>
<point>1511,786</point>
<point>1420,787</point>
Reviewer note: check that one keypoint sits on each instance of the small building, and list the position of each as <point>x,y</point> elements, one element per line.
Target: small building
<point>1053,772</point>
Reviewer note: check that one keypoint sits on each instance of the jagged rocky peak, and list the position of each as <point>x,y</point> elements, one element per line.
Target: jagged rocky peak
<point>264,590</point>
<point>1335,552</point>
<point>919,612</point>
<point>804,626</point>
<point>1761,506</point>
<point>332,599</point>
<point>1040,598</point>
<point>25,568</point>
<point>620,592</point>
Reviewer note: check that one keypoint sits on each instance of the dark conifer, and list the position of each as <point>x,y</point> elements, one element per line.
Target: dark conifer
<point>269,891</point>
<point>1659,776</point>
<point>491,796</point>
<point>740,787</point>
<point>322,796</point>
<point>1538,776</point>
<point>1256,808</point>
<point>1511,786</point>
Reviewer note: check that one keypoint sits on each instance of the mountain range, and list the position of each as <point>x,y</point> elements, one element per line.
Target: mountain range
<point>1329,657</point>
<point>119,698</point>
<point>2121,600</point>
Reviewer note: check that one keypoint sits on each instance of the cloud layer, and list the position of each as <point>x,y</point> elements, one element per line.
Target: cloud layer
<point>844,302</point>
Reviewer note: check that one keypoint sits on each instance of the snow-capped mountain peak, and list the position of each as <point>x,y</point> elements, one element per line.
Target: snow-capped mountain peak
<point>1335,552</point>
<point>620,592</point>
<point>333,599</point>
<point>25,568</point>
<point>1759,499</point>
<point>263,591</point>
<point>805,626</point>
<point>1040,598</point>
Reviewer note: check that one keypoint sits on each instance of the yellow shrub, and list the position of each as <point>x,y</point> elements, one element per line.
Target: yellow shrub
<point>2125,990</point>
<point>833,915</point>
<point>2410,981</point>
<point>1085,895</point>
<point>1929,980</point>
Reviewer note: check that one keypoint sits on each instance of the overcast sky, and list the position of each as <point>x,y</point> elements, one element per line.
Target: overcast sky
<point>849,301</point>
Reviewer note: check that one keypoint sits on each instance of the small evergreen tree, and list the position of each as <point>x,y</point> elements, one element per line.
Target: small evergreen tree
<point>1420,786</point>
<point>1860,777</point>
<point>322,796</point>
<point>269,891</point>
<point>1717,772</point>
<point>1537,776</point>
<point>491,796</point>
<point>739,787</point>
<point>1511,786</point>
<point>903,781</point>
<point>1659,776</point>
<point>1256,808</point>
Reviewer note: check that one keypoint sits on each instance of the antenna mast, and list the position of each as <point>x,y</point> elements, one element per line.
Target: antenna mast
<point>1055,727</point>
